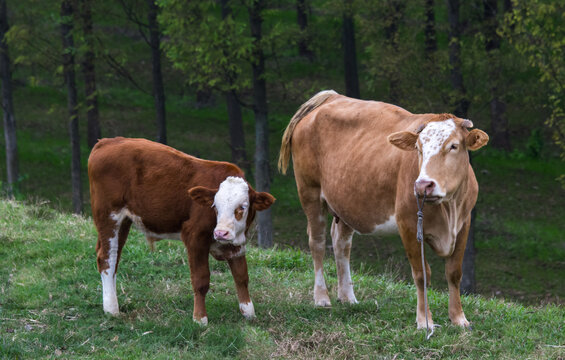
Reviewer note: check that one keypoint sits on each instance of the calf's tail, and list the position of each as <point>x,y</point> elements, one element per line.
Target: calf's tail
<point>305,109</point>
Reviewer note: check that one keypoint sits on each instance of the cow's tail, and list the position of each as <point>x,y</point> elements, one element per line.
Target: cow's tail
<point>305,109</point>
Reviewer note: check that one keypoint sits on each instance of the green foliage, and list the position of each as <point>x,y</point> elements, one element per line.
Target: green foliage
<point>536,29</point>
<point>51,306</point>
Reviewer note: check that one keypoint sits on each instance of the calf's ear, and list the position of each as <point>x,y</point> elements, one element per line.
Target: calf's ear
<point>202,195</point>
<point>476,139</point>
<point>262,201</point>
<point>404,140</point>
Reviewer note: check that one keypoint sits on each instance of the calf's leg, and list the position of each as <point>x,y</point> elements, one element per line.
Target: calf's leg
<point>112,235</point>
<point>342,236</point>
<point>453,275</point>
<point>413,252</point>
<point>238,266</point>
<point>200,277</point>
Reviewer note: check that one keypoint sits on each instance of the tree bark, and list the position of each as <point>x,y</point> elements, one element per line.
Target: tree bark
<point>459,100</point>
<point>158,89</point>
<point>262,171</point>
<point>349,52</point>
<point>72,103</point>
<point>499,134</point>
<point>461,105</point>
<point>430,30</point>
<point>302,20</point>
<point>8,105</point>
<point>237,135</point>
<point>392,24</point>
<point>89,73</point>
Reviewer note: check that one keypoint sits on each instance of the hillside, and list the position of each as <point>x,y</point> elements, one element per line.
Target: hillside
<point>51,306</point>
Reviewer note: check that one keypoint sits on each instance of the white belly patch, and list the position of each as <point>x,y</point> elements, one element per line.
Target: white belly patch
<point>120,215</point>
<point>388,227</point>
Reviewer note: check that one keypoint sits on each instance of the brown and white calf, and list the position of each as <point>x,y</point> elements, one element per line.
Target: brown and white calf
<point>168,194</point>
<point>364,162</point>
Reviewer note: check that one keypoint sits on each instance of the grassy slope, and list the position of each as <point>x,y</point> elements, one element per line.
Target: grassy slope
<point>50,306</point>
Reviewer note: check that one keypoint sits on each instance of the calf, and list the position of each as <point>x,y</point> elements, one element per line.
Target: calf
<point>168,194</point>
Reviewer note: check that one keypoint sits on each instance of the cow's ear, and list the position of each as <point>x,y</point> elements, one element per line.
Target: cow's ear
<point>202,195</point>
<point>262,201</point>
<point>404,140</point>
<point>476,139</point>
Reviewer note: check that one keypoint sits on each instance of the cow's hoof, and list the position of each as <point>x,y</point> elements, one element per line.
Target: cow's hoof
<point>203,321</point>
<point>323,302</point>
<point>348,300</point>
<point>112,310</point>
<point>461,321</point>
<point>247,310</point>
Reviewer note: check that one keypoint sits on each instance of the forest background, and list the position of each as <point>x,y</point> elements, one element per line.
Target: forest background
<point>221,79</point>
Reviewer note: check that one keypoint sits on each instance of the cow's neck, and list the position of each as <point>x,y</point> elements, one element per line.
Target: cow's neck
<point>447,222</point>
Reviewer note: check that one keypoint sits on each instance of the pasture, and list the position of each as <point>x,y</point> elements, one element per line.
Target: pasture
<point>51,306</point>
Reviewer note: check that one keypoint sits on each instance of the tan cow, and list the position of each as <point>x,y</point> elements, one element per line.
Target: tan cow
<point>363,162</point>
<point>168,194</point>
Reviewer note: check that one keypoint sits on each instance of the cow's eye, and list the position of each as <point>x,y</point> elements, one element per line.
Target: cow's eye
<point>453,147</point>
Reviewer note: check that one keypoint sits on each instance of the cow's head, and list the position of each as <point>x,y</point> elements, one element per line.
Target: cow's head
<point>442,147</point>
<point>235,204</point>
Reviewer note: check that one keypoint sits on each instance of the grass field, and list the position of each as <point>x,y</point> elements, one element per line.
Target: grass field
<point>51,306</point>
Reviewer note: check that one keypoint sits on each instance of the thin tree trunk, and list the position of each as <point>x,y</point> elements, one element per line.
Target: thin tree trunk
<point>88,70</point>
<point>8,105</point>
<point>69,73</point>
<point>302,20</point>
<point>262,173</point>
<point>237,135</point>
<point>461,105</point>
<point>460,101</point>
<point>499,134</point>
<point>158,89</point>
<point>391,39</point>
<point>349,53</point>
<point>430,30</point>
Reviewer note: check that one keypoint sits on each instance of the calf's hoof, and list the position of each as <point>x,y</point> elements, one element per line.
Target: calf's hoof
<point>247,310</point>
<point>203,321</point>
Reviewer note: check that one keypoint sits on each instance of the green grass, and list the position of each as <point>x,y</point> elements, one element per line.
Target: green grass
<point>51,306</point>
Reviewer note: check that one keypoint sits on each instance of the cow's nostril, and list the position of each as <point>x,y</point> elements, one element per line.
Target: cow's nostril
<point>423,186</point>
<point>221,234</point>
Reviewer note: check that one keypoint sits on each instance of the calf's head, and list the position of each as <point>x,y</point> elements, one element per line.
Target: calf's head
<point>235,204</point>
<point>442,146</point>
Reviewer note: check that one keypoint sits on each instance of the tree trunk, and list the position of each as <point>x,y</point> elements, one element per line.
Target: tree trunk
<point>392,24</point>
<point>8,105</point>
<point>88,70</point>
<point>459,100</point>
<point>302,20</point>
<point>158,89</point>
<point>262,173</point>
<point>461,105</point>
<point>499,134</point>
<point>237,135</point>
<point>349,53</point>
<point>430,30</point>
<point>69,73</point>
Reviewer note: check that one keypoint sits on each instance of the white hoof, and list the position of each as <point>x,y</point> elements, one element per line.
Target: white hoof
<point>247,310</point>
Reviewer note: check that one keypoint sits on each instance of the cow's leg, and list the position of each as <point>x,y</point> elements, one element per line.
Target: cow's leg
<point>238,266</point>
<point>413,252</point>
<point>198,249</point>
<point>342,236</point>
<point>453,274</point>
<point>315,214</point>
<point>112,235</point>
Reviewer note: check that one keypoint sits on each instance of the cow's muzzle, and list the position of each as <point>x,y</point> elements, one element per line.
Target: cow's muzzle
<point>428,188</point>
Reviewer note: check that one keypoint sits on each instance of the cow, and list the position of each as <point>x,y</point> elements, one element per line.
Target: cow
<point>169,194</point>
<point>365,162</point>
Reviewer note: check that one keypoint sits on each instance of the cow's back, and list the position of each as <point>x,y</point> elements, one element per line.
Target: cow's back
<point>150,180</point>
<point>342,147</point>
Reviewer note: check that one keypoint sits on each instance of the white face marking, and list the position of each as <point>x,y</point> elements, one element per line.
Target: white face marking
<point>388,227</point>
<point>247,310</point>
<point>432,138</point>
<point>232,194</point>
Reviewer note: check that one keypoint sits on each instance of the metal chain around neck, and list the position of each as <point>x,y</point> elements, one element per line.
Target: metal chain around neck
<point>420,237</point>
